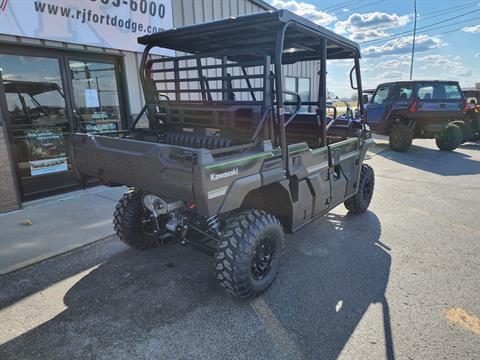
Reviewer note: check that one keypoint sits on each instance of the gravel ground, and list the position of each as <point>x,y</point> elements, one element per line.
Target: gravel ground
<point>379,285</point>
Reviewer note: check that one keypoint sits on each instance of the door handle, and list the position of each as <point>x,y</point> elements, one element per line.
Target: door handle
<point>75,122</point>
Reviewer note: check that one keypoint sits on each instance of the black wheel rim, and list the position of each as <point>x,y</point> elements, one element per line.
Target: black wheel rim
<point>147,223</point>
<point>396,137</point>
<point>263,258</point>
<point>367,189</point>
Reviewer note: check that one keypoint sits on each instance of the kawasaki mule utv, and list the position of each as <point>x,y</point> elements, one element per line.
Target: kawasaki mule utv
<point>226,164</point>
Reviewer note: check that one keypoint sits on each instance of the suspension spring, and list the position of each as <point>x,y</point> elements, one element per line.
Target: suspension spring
<point>213,223</point>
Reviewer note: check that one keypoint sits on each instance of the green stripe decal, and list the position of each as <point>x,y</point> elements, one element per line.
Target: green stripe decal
<point>319,151</point>
<point>239,161</point>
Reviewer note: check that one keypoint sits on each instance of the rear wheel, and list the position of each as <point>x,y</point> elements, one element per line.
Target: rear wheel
<point>361,200</point>
<point>467,131</point>
<point>134,224</point>
<point>249,253</point>
<point>450,138</point>
<point>401,136</point>
<point>476,128</point>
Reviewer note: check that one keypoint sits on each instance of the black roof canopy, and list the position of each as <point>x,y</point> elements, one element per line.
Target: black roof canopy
<point>256,31</point>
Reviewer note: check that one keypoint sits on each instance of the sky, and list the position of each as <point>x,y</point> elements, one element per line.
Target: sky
<point>447,40</point>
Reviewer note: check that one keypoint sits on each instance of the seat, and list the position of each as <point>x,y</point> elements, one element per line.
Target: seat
<point>196,141</point>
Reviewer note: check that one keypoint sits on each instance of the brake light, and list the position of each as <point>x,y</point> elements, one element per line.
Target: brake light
<point>468,107</point>
<point>413,107</point>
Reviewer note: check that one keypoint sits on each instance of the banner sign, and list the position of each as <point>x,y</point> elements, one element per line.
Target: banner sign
<point>114,24</point>
<point>46,151</point>
<point>101,128</point>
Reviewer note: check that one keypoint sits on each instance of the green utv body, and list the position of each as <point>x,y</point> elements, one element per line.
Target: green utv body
<point>228,162</point>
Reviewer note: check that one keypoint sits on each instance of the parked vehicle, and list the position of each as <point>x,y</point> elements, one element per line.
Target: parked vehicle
<point>472,110</point>
<point>229,173</point>
<point>405,110</point>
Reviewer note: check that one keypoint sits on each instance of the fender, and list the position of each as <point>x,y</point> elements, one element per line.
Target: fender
<point>238,191</point>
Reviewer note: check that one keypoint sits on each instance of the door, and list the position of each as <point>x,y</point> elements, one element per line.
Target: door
<point>344,169</point>
<point>437,101</point>
<point>37,122</point>
<point>96,104</point>
<point>377,108</point>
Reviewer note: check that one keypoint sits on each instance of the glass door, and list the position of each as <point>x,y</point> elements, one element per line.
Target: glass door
<point>38,122</point>
<point>96,96</point>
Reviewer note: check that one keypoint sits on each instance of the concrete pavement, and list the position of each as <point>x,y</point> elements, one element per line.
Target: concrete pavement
<point>52,226</point>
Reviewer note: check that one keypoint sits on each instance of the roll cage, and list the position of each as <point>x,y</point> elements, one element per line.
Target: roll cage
<point>231,75</point>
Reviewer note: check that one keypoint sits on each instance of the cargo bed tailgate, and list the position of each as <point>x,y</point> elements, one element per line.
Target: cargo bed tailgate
<point>159,168</point>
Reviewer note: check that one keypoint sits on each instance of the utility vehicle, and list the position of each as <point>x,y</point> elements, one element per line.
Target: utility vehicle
<point>472,111</point>
<point>405,110</point>
<point>223,166</point>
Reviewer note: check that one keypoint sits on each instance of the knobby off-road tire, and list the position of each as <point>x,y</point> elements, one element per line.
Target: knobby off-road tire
<point>249,253</point>
<point>467,130</point>
<point>127,222</point>
<point>450,139</point>
<point>400,138</point>
<point>359,203</point>
<point>476,126</point>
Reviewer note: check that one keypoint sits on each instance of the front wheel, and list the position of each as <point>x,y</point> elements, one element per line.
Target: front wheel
<point>450,139</point>
<point>400,138</point>
<point>359,203</point>
<point>249,253</point>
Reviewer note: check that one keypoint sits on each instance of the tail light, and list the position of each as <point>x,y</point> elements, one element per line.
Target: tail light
<point>413,107</point>
<point>469,106</point>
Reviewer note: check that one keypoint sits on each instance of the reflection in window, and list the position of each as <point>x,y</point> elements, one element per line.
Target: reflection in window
<point>438,91</point>
<point>96,95</point>
<point>300,86</point>
<point>38,122</point>
<point>381,95</point>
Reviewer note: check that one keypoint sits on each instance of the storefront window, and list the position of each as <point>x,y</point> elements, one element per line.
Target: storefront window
<point>38,121</point>
<point>96,96</point>
<point>43,112</point>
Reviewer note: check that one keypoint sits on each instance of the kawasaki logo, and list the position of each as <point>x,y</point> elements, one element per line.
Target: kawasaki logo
<point>226,174</point>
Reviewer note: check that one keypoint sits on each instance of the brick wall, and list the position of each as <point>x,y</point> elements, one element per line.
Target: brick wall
<point>8,193</point>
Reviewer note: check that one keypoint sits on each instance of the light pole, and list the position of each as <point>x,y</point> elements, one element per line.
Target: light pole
<point>414,36</point>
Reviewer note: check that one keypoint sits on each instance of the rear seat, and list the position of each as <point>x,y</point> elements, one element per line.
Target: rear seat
<point>195,141</point>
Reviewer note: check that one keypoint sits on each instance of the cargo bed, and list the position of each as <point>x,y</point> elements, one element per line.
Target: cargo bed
<point>172,171</point>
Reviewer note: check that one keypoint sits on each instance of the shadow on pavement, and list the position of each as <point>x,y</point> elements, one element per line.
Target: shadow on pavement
<point>345,267</point>
<point>37,277</point>
<point>434,160</point>
<point>165,303</point>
